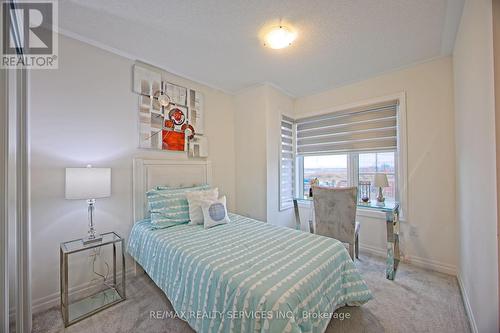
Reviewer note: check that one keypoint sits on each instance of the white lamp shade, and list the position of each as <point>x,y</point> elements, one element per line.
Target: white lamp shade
<point>381,180</point>
<point>88,183</point>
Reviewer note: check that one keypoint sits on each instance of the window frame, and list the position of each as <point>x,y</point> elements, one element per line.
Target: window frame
<point>400,159</point>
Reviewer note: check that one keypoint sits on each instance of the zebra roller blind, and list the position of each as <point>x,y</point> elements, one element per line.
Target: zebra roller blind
<point>359,129</point>
<point>287,164</point>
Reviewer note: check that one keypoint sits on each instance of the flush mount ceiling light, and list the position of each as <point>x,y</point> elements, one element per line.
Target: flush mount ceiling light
<point>279,37</point>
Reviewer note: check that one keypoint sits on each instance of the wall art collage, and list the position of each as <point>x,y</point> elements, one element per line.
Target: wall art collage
<point>170,116</point>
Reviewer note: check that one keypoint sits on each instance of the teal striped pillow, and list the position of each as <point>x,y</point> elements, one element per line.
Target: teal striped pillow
<point>169,205</point>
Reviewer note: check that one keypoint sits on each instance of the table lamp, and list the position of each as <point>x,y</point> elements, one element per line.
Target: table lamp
<point>380,182</point>
<point>88,184</point>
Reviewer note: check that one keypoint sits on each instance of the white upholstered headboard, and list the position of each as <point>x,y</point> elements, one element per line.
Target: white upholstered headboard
<point>151,173</point>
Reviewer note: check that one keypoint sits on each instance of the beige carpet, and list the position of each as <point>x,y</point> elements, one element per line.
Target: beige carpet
<point>417,301</point>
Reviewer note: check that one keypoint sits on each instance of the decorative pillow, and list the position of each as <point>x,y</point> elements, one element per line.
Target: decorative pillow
<point>170,205</point>
<point>194,202</point>
<point>214,212</point>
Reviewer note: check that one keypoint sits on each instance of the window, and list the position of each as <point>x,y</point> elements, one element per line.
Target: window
<point>383,162</point>
<point>343,170</point>
<point>346,147</point>
<point>330,170</point>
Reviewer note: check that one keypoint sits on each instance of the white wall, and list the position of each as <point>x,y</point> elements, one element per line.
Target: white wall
<point>258,135</point>
<point>476,165</point>
<point>431,169</point>
<point>85,113</point>
<point>250,137</point>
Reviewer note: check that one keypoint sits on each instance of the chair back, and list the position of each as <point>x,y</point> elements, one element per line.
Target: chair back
<point>335,212</point>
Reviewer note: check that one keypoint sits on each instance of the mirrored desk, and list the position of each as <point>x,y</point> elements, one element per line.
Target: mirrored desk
<point>391,210</point>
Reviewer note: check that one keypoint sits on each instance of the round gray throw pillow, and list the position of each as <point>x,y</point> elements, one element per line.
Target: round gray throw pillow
<point>214,212</point>
<point>217,211</point>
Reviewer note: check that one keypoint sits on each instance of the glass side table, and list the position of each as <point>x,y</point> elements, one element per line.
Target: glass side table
<point>111,294</point>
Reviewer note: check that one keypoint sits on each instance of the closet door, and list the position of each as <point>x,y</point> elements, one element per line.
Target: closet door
<point>4,246</point>
<point>15,293</point>
<point>15,274</point>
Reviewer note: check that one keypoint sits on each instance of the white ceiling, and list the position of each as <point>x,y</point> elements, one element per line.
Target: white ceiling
<point>216,41</point>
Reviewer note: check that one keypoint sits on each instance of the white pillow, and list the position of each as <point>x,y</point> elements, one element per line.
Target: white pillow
<point>214,212</point>
<point>194,202</point>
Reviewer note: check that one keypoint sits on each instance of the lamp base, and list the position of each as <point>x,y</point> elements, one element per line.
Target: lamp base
<point>91,240</point>
<point>93,237</point>
<point>380,197</point>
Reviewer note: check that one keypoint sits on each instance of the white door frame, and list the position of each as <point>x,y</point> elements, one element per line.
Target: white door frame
<point>14,196</point>
<point>4,245</point>
<point>14,199</point>
<point>23,225</point>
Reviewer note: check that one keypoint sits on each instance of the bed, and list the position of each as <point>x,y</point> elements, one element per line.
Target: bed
<point>243,276</point>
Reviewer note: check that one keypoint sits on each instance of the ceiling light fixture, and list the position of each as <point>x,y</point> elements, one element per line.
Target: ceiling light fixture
<point>279,37</point>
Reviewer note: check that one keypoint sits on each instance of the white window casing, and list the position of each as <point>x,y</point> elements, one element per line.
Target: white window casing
<point>375,125</point>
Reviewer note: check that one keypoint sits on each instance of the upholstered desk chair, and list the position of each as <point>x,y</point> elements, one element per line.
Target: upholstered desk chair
<point>335,215</point>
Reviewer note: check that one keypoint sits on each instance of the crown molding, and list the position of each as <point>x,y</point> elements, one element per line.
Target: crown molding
<point>123,54</point>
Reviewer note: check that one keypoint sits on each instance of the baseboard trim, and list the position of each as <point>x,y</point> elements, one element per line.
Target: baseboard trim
<point>373,250</point>
<point>433,265</point>
<point>52,300</point>
<point>468,307</point>
<point>425,263</point>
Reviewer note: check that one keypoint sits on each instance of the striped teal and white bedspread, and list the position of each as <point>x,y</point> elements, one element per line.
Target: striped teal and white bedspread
<point>249,276</point>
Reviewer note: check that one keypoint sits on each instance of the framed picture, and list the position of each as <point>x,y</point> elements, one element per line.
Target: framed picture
<point>170,115</point>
